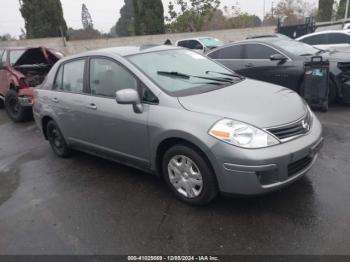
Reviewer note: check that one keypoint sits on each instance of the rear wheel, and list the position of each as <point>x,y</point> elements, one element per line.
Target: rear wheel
<point>189,175</point>
<point>17,112</point>
<point>57,141</point>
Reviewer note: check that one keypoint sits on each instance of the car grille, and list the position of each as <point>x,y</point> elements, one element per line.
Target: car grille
<point>298,166</point>
<point>290,131</point>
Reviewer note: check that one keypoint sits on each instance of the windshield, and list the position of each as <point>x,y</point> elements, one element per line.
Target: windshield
<point>15,55</point>
<point>211,42</point>
<point>176,71</point>
<point>296,48</point>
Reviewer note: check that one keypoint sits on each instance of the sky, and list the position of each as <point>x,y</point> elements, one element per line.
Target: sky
<point>104,13</point>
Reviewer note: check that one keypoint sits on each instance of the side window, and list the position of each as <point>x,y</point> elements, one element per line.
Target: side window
<point>230,52</point>
<point>338,39</point>
<point>108,77</point>
<point>58,85</point>
<point>183,44</point>
<point>148,96</point>
<point>193,44</point>
<point>256,51</point>
<point>73,76</point>
<point>315,40</point>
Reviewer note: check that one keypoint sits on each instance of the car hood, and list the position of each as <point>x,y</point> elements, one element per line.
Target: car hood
<point>257,103</point>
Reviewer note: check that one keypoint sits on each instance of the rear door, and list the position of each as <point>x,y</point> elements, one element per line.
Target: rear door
<point>69,101</point>
<point>117,130</point>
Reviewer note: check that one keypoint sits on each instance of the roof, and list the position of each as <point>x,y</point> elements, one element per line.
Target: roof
<point>16,47</point>
<point>347,32</point>
<point>132,50</point>
<point>195,38</point>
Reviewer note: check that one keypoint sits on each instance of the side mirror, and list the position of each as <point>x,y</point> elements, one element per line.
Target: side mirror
<point>129,97</point>
<point>278,57</point>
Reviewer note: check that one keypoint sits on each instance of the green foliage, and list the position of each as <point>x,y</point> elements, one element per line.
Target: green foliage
<point>195,15</point>
<point>192,14</point>
<point>149,17</point>
<point>125,24</point>
<point>43,18</point>
<point>6,37</point>
<point>83,34</point>
<point>341,10</point>
<point>86,18</point>
<point>325,10</point>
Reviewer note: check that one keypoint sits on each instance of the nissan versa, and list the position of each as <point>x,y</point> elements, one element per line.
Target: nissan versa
<point>179,115</point>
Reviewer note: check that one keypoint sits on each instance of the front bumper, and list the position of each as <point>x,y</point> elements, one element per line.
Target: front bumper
<point>258,171</point>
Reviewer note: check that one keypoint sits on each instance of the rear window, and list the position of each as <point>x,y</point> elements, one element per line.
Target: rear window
<point>73,76</point>
<point>229,52</point>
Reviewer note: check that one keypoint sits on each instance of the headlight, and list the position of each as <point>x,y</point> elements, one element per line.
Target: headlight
<point>241,134</point>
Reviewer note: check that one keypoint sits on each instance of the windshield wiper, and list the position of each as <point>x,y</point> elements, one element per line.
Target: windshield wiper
<point>226,74</point>
<point>186,76</point>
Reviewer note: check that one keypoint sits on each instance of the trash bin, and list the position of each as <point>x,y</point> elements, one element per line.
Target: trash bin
<point>316,84</point>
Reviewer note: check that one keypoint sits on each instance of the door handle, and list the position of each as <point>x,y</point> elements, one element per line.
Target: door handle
<point>249,65</point>
<point>55,100</point>
<point>92,107</point>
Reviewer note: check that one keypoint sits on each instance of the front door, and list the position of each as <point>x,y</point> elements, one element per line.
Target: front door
<point>116,129</point>
<point>258,65</point>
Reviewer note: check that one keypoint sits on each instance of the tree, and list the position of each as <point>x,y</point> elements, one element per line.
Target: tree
<point>43,18</point>
<point>149,17</point>
<point>125,24</point>
<point>325,10</point>
<point>86,18</point>
<point>6,37</point>
<point>341,10</point>
<point>192,14</point>
<point>83,34</point>
<point>291,12</point>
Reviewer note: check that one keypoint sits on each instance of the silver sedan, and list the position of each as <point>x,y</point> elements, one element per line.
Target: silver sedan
<point>181,116</point>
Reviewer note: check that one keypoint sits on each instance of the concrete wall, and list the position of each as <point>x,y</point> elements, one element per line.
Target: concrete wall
<point>73,47</point>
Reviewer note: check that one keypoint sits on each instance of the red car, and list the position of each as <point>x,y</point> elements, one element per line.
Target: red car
<point>21,70</point>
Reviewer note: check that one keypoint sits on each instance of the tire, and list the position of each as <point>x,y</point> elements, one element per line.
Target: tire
<point>189,170</point>
<point>2,104</point>
<point>57,141</point>
<point>15,111</point>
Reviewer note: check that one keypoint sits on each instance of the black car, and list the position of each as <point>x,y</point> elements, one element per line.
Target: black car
<point>281,61</point>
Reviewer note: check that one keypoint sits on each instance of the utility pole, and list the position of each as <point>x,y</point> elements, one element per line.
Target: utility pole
<point>272,9</point>
<point>264,11</point>
<point>346,10</point>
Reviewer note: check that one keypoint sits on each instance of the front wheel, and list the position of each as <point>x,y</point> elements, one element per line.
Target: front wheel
<point>15,111</point>
<point>189,175</point>
<point>57,141</point>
